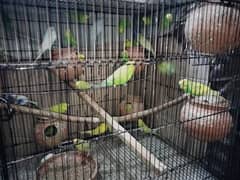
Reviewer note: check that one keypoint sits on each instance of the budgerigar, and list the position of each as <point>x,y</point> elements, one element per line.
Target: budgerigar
<point>19,100</point>
<point>143,126</point>
<point>119,77</point>
<point>100,129</point>
<point>59,108</point>
<point>49,38</point>
<point>81,145</point>
<point>166,67</point>
<point>196,88</point>
<point>167,20</point>
<point>69,38</point>
<point>145,43</point>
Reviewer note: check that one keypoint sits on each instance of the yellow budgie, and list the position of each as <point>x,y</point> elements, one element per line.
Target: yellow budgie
<point>196,88</point>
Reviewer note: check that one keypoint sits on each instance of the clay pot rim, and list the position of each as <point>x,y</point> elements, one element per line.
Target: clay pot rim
<point>76,153</point>
<point>209,106</point>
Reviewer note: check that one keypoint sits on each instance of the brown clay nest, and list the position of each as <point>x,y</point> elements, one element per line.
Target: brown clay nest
<point>49,133</point>
<point>73,68</point>
<point>131,104</point>
<point>71,165</point>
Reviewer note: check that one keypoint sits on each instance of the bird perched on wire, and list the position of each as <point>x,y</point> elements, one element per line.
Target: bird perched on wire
<point>81,145</point>
<point>144,128</point>
<point>196,89</point>
<point>102,128</point>
<point>18,100</point>
<point>121,76</point>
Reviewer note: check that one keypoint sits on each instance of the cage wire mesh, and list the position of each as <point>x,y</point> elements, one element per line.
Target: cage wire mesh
<point>119,89</point>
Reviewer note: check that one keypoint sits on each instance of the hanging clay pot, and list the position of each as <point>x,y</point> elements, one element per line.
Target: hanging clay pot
<point>73,69</point>
<point>206,118</point>
<point>130,105</point>
<point>213,29</point>
<point>70,164</point>
<point>49,133</point>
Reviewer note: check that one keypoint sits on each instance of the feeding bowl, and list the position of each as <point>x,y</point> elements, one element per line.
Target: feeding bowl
<point>69,165</point>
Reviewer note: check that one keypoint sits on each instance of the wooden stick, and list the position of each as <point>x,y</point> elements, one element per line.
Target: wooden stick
<point>44,113</point>
<point>64,117</point>
<point>125,136</point>
<point>152,110</point>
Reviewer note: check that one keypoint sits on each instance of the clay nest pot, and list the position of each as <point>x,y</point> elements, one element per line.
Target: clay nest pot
<point>136,54</point>
<point>50,133</point>
<point>70,164</point>
<point>213,29</point>
<point>205,120</point>
<point>72,70</point>
<point>130,105</point>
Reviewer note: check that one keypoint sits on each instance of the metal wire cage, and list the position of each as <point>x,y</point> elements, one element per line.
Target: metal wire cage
<point>119,89</point>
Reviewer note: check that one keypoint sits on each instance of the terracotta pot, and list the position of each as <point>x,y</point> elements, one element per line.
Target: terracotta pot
<point>213,29</point>
<point>131,105</point>
<point>49,133</point>
<point>136,54</point>
<point>70,164</point>
<point>73,69</point>
<point>206,119</point>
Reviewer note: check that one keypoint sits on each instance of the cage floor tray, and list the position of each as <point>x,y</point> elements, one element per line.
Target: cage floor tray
<point>116,161</point>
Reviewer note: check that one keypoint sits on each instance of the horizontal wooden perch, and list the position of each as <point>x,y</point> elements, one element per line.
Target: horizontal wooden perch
<point>152,110</point>
<point>63,117</point>
<point>44,113</point>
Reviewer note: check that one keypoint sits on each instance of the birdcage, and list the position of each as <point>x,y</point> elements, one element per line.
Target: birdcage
<point>119,89</point>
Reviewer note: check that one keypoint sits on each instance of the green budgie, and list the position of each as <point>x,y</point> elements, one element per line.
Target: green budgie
<point>147,20</point>
<point>100,129</point>
<point>83,85</point>
<point>145,43</point>
<point>124,56</point>
<point>59,108</point>
<point>196,88</point>
<point>119,77</point>
<point>123,23</point>
<point>166,68</point>
<point>143,126</point>
<point>69,38</point>
<point>81,145</point>
<point>166,21</point>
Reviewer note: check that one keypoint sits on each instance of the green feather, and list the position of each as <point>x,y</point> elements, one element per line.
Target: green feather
<point>123,24</point>
<point>143,126</point>
<point>124,56</point>
<point>59,108</point>
<point>166,21</point>
<point>69,38</point>
<point>81,145</point>
<point>145,43</point>
<point>196,88</point>
<point>102,128</point>
<point>120,76</point>
<point>166,68</point>
<point>128,43</point>
<point>83,85</point>
<point>147,20</point>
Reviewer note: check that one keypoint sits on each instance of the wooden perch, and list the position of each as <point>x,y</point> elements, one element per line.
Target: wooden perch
<point>63,117</point>
<point>125,136</point>
<point>44,113</point>
<point>152,110</point>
